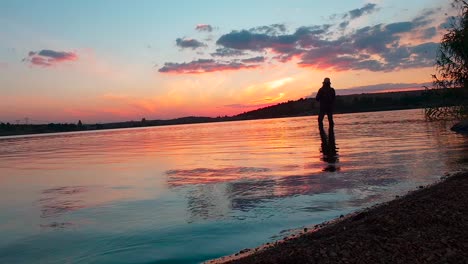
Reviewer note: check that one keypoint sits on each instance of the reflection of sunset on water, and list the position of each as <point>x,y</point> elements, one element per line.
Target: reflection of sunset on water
<point>207,183</point>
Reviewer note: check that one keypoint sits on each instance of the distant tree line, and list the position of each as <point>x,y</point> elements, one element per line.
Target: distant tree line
<point>301,107</point>
<point>8,129</point>
<point>21,129</point>
<point>360,103</point>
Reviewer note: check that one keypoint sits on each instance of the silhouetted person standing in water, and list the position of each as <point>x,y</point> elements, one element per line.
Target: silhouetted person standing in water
<point>326,98</point>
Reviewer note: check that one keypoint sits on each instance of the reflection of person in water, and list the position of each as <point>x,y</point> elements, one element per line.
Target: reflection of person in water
<point>329,149</point>
<point>326,97</point>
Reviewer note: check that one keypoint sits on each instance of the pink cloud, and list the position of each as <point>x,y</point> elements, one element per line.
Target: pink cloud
<point>204,27</point>
<point>46,58</point>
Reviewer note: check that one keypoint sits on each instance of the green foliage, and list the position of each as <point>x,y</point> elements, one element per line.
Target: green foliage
<point>452,66</point>
<point>452,60</point>
<point>445,112</point>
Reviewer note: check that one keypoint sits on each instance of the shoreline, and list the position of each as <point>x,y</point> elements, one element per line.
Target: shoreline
<point>345,104</point>
<point>427,225</point>
<point>137,125</point>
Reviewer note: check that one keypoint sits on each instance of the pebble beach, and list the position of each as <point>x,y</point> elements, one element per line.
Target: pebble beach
<point>428,225</point>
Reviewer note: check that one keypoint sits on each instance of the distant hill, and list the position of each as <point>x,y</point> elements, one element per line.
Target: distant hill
<point>304,106</point>
<point>359,103</point>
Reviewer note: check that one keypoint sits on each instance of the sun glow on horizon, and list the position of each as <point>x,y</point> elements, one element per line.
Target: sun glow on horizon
<point>215,68</point>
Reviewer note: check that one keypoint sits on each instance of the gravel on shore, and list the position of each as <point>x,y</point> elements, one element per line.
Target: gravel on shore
<point>429,225</point>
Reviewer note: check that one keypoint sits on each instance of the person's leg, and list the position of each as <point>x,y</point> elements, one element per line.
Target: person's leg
<point>330,118</point>
<point>321,115</point>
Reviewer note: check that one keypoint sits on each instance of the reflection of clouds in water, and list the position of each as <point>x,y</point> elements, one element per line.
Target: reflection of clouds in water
<point>215,201</point>
<point>246,195</point>
<point>290,167</point>
<point>207,201</point>
<point>55,202</point>
<point>55,208</point>
<point>56,225</point>
<point>65,190</point>
<point>207,175</point>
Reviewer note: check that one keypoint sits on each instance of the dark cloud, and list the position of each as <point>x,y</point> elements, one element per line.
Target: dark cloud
<point>257,59</point>
<point>203,66</point>
<point>358,12</point>
<point>373,39</point>
<point>401,57</point>
<point>244,40</point>
<point>353,14</point>
<point>399,27</point>
<point>47,58</point>
<point>374,48</point>
<point>425,17</point>
<point>352,51</point>
<point>227,52</point>
<point>382,42</point>
<point>429,33</point>
<point>312,30</point>
<point>58,55</point>
<point>426,51</point>
<point>286,44</point>
<point>189,43</point>
<point>273,29</point>
<point>377,38</point>
<point>204,27</point>
<point>343,24</point>
<point>448,23</point>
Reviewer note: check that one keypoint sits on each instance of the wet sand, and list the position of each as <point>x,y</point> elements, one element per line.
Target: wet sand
<point>429,225</point>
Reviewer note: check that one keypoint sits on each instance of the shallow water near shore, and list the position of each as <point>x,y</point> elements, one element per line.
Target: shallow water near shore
<point>188,193</point>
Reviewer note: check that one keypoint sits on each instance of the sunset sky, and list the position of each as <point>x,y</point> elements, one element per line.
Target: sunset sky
<point>115,60</point>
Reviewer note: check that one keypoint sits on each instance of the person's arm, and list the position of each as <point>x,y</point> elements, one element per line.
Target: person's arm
<point>319,94</point>
<point>333,95</point>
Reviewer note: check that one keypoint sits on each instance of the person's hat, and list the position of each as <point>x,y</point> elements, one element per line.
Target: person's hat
<point>326,80</point>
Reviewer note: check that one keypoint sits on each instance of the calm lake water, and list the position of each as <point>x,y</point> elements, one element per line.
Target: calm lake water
<point>188,193</point>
